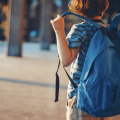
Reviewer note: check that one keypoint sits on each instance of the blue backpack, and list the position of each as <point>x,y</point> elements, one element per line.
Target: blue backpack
<point>99,91</point>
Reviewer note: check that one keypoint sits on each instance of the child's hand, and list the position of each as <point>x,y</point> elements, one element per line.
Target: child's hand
<point>58,23</point>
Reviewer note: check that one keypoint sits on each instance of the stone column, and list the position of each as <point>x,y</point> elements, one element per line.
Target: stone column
<point>45,26</point>
<point>16,27</point>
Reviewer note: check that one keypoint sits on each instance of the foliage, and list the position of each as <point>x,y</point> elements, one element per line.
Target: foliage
<point>2,18</point>
<point>4,2</point>
<point>2,15</point>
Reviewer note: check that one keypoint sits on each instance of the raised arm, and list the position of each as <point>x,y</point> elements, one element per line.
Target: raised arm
<point>66,54</point>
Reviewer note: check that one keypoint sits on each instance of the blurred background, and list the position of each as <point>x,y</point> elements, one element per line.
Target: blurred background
<point>28,58</point>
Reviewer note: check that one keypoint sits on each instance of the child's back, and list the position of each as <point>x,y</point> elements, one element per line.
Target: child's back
<point>79,36</point>
<point>73,48</point>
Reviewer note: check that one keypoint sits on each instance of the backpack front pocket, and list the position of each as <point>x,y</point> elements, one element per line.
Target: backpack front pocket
<point>111,88</point>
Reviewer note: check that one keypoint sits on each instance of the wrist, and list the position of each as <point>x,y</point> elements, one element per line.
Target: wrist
<point>60,31</point>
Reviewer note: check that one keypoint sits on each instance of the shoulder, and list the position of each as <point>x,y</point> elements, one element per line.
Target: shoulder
<point>84,26</point>
<point>80,25</point>
<point>82,30</point>
<point>77,29</point>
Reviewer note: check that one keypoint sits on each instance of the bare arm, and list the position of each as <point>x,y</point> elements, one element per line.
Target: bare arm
<point>66,54</point>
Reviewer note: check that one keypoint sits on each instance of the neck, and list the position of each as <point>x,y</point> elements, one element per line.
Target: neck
<point>96,17</point>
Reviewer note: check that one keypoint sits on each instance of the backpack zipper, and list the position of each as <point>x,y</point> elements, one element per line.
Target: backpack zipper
<point>115,94</point>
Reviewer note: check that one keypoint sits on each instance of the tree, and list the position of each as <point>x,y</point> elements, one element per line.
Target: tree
<point>16,27</point>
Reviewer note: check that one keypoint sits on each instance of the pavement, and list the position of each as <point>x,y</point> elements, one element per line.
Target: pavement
<point>27,84</point>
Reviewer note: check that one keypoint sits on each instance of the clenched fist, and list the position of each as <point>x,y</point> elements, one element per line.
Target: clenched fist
<point>58,23</point>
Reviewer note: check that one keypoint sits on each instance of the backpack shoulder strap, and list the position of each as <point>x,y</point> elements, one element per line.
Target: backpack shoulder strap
<point>115,22</point>
<point>114,26</point>
<point>99,43</point>
<point>84,18</point>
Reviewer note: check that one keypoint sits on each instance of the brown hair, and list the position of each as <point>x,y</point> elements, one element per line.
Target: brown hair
<point>88,8</point>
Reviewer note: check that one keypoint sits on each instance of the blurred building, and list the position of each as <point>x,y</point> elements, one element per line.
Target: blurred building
<point>36,15</point>
<point>33,20</point>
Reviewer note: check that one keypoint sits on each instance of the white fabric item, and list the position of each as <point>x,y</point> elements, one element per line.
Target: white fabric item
<point>73,113</point>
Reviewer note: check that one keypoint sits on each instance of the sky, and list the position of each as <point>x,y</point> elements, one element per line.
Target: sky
<point>58,3</point>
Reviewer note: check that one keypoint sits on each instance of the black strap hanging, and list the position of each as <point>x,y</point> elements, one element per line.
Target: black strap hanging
<point>74,85</point>
<point>57,82</point>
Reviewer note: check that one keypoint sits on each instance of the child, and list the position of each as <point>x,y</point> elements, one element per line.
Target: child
<point>73,48</point>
